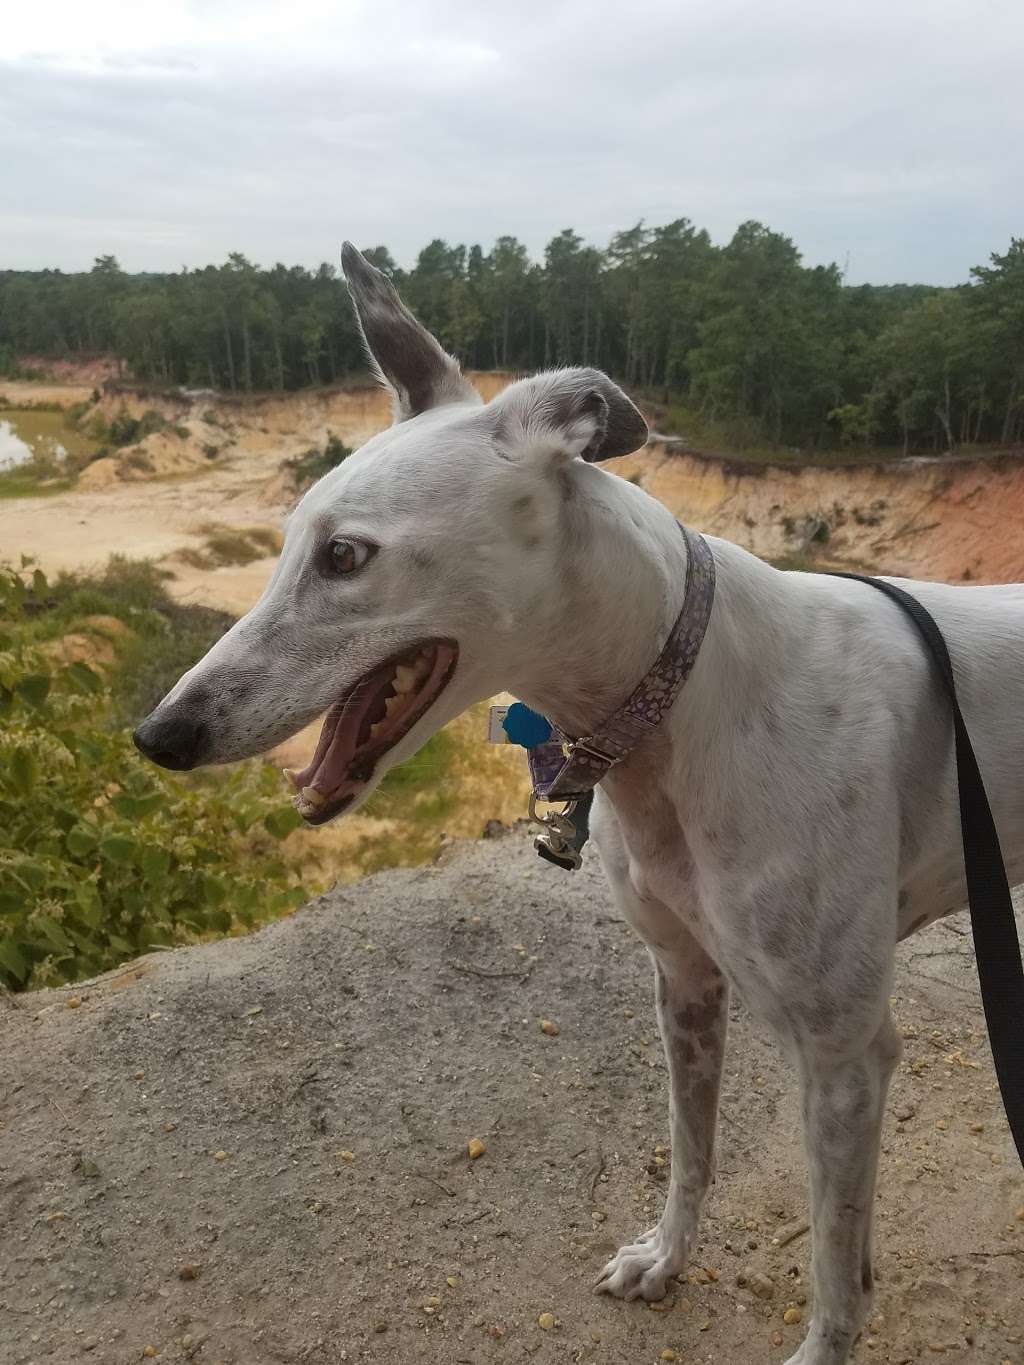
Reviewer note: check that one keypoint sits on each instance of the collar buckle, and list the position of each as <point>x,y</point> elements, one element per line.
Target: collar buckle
<point>588,745</point>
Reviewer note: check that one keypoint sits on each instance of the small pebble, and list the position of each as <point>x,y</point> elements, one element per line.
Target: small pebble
<point>452,1281</point>
<point>475,1148</point>
<point>546,1321</point>
<point>189,1271</point>
<point>169,1127</point>
<point>549,1027</point>
<point>347,1156</point>
<point>761,1285</point>
<point>776,1338</point>
<point>977,1127</point>
<point>73,1004</point>
<point>669,1354</point>
<point>149,1350</point>
<point>140,1075</point>
<point>792,1316</point>
<point>220,1155</point>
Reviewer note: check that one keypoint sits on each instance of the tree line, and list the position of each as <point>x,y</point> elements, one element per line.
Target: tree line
<point>750,344</point>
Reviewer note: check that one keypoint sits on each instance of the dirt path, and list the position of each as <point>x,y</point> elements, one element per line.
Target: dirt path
<point>255,1151</point>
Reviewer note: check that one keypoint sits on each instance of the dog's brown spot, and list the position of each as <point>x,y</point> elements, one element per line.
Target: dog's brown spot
<point>685,1051</point>
<point>701,1018</point>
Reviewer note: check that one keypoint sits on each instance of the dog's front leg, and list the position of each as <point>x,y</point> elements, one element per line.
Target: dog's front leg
<point>843,1101</point>
<point>693,1001</point>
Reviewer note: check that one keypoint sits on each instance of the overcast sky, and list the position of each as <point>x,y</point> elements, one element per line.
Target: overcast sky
<point>886,135</point>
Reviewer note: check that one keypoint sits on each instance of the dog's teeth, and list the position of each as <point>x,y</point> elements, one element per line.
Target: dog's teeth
<point>395,703</point>
<point>289,774</point>
<point>405,679</point>
<point>376,729</point>
<point>312,797</point>
<point>422,667</point>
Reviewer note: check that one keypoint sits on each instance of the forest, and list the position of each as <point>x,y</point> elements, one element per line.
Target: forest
<point>744,342</point>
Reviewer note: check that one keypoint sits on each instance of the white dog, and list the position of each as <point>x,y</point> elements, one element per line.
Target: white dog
<point>791,819</point>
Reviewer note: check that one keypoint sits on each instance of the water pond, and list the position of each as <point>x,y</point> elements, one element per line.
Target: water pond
<point>46,438</point>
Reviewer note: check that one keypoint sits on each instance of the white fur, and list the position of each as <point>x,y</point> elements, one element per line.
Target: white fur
<point>793,816</point>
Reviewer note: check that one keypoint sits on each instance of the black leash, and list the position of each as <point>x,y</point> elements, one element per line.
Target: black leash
<point>996,946</point>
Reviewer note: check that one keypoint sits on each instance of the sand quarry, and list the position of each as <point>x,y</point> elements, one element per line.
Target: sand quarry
<point>256,1151</point>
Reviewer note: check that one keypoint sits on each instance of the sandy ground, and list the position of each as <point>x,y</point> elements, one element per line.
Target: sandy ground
<point>256,1151</point>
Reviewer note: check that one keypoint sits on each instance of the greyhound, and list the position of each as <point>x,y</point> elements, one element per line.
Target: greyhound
<point>793,816</point>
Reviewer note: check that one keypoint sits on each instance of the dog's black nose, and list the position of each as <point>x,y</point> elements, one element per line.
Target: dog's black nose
<point>173,741</point>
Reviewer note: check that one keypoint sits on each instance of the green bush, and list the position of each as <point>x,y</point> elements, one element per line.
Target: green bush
<point>102,855</point>
<point>124,430</point>
<point>313,464</point>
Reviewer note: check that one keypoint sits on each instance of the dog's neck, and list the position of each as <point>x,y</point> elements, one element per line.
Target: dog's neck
<point>616,595</point>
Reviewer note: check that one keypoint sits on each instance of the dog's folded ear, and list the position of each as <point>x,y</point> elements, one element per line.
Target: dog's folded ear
<point>405,357</point>
<point>570,412</point>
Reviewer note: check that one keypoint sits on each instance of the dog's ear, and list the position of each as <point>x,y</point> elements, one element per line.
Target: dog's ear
<point>404,355</point>
<point>570,412</point>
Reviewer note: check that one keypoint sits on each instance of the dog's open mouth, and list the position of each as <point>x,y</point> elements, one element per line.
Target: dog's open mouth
<point>374,714</point>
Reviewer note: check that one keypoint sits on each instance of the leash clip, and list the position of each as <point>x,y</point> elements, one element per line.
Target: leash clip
<point>554,842</point>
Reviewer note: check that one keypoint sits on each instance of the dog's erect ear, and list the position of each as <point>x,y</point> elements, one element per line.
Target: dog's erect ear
<point>405,356</point>
<point>571,412</point>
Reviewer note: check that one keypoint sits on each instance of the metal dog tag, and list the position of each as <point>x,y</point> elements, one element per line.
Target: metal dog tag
<point>495,726</point>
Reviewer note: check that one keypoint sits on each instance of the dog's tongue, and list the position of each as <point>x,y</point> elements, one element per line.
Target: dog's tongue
<point>339,739</point>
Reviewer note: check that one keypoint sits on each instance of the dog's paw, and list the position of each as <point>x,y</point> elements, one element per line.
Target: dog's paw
<point>643,1269</point>
<point>823,1347</point>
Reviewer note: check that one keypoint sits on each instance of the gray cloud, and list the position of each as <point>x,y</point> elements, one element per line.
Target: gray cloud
<point>886,136</point>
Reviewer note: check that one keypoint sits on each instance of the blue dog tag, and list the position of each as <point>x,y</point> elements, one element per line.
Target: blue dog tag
<point>525,727</point>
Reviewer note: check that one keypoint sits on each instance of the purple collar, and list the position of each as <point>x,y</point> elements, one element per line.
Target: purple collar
<point>564,769</point>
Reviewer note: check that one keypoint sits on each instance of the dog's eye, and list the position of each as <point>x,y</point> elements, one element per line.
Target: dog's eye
<point>346,556</point>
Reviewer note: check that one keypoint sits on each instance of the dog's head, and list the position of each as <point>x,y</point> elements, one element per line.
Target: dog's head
<point>409,575</point>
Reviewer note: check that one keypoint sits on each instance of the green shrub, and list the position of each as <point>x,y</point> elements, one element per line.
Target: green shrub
<point>102,855</point>
<point>125,430</point>
<point>313,464</point>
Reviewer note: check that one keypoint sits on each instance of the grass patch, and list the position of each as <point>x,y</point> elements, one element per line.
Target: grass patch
<point>796,563</point>
<point>225,545</point>
<point>27,481</point>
